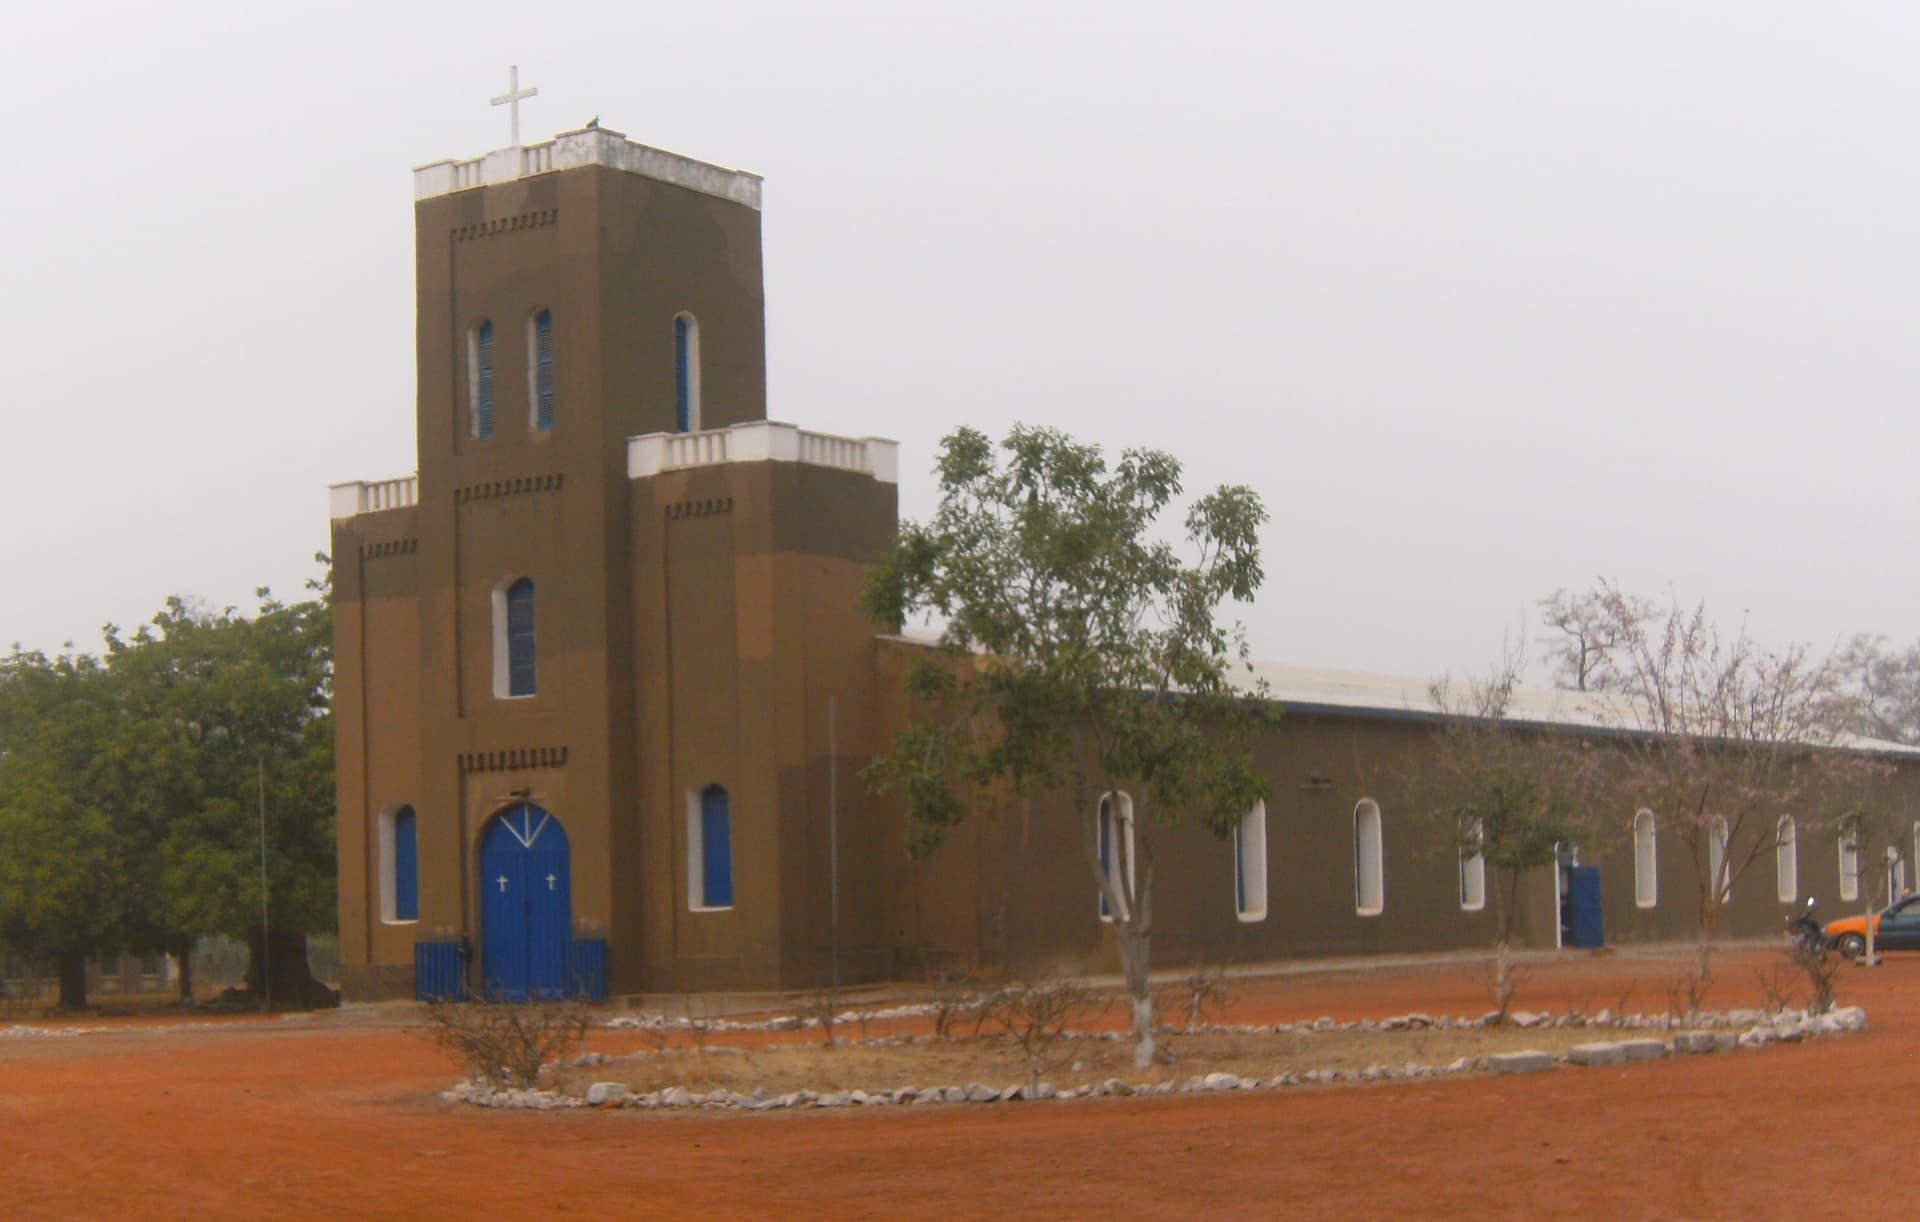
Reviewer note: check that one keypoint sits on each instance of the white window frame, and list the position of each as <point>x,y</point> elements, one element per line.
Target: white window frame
<point>1369,865</point>
<point>1250,864</point>
<point>389,882</point>
<point>1717,864</point>
<point>1850,862</point>
<point>693,369</point>
<point>697,854</point>
<point>1120,805</point>
<point>1473,874</point>
<point>1786,859</point>
<point>1646,859</point>
<point>502,663</point>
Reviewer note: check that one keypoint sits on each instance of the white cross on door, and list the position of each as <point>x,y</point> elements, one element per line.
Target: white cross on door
<point>502,880</point>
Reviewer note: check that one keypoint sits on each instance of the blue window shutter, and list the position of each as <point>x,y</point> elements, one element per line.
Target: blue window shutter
<point>716,848</point>
<point>1239,869</point>
<point>521,668</point>
<point>682,388</point>
<point>543,369</point>
<point>483,387</point>
<point>406,866</point>
<point>1105,832</point>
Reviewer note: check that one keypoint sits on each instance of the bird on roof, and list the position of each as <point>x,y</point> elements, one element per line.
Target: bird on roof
<point>594,122</point>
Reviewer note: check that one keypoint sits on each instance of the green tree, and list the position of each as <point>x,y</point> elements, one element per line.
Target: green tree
<point>71,884</point>
<point>239,715</point>
<point>1506,796</point>
<point>1080,654</point>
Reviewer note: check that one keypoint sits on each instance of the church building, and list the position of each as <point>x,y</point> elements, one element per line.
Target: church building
<point>603,689</point>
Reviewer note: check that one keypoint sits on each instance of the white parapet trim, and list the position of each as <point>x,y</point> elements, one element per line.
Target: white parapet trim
<point>370,496</point>
<point>587,146</point>
<point>762,441</point>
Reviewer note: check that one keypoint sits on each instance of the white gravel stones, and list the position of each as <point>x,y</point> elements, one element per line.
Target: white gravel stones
<point>1644,1050</point>
<point>1529,1061</point>
<point>600,1094</point>
<point>1696,1041</point>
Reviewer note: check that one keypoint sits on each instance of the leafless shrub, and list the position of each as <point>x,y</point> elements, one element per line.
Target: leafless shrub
<point>1504,979</point>
<point>1035,1014</point>
<point>823,1006</point>
<point>1202,993</point>
<point>1620,1005</point>
<point>699,1024</point>
<point>954,998</point>
<point>1818,964</point>
<point>1685,995</point>
<point>1778,984</point>
<point>504,1045</point>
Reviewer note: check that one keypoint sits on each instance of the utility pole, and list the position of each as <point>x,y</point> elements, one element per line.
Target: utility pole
<point>266,932</point>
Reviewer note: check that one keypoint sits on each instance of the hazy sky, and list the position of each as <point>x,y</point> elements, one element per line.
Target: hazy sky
<point>1484,299</point>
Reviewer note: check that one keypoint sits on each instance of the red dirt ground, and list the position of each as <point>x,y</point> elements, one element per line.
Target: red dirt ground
<point>336,1115</point>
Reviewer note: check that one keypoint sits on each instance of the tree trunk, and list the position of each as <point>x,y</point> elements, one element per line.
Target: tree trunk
<point>1503,977</point>
<point>73,980</point>
<point>291,980</point>
<point>1134,962</point>
<point>180,947</point>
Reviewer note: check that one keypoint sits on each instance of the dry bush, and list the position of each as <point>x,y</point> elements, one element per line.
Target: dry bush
<point>954,998</point>
<point>1779,984</point>
<point>504,1045</point>
<point>699,1023</point>
<point>1202,993</point>
<point>823,1006</point>
<point>1818,965</point>
<point>1035,1014</point>
<point>1685,997</point>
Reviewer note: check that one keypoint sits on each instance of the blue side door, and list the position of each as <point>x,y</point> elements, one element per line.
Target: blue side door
<point>526,907</point>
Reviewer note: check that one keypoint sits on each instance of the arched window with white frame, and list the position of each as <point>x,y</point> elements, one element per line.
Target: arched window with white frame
<point>1250,864</point>
<point>1786,859</point>
<point>1369,872</point>
<point>480,378</point>
<point>1114,841</point>
<point>686,373</point>
<point>515,643</point>
<point>1717,864</point>
<point>1646,860</point>
<point>1473,871</point>
<point>1850,861</point>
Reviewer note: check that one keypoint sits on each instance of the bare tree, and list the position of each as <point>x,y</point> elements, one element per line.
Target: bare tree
<point>1879,688</point>
<point>1871,833</point>
<point>1034,1014</point>
<point>1586,636</point>
<point>1506,796</point>
<point>1721,739</point>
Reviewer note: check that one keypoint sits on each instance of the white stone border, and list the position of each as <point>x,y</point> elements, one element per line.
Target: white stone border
<point>1709,1032</point>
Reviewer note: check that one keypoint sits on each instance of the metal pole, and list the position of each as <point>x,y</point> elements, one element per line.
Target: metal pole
<point>833,833</point>
<point>266,931</point>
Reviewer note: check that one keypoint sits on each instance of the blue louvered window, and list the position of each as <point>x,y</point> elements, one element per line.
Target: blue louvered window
<point>686,373</point>
<point>406,866</point>
<point>481,371</point>
<point>543,370</point>
<point>716,848</point>
<point>520,639</point>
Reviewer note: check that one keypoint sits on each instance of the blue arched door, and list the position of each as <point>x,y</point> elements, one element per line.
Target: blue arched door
<point>526,905</point>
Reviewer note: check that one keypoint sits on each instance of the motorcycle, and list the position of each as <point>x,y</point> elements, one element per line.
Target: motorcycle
<point>1805,929</point>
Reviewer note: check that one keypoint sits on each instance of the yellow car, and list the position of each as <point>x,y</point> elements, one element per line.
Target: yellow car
<point>1895,927</point>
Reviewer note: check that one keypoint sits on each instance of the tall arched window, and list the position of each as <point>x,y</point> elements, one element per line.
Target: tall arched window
<point>1369,875</point>
<point>540,361</point>
<point>1114,842</point>
<point>1250,864</point>
<point>1473,871</point>
<point>1717,859</point>
<point>515,653</point>
<point>1786,859</point>
<point>399,866</point>
<point>710,849</point>
<point>480,379</point>
<point>1646,861</point>
<point>1850,861</point>
<point>686,373</point>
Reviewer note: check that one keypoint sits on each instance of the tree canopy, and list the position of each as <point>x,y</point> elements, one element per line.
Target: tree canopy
<point>131,784</point>
<point>1080,653</point>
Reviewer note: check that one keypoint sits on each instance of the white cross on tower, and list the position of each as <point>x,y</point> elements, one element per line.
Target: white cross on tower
<point>502,880</point>
<point>511,100</point>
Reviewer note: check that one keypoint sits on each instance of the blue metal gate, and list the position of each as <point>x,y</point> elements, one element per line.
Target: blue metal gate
<point>1584,903</point>
<point>526,905</point>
